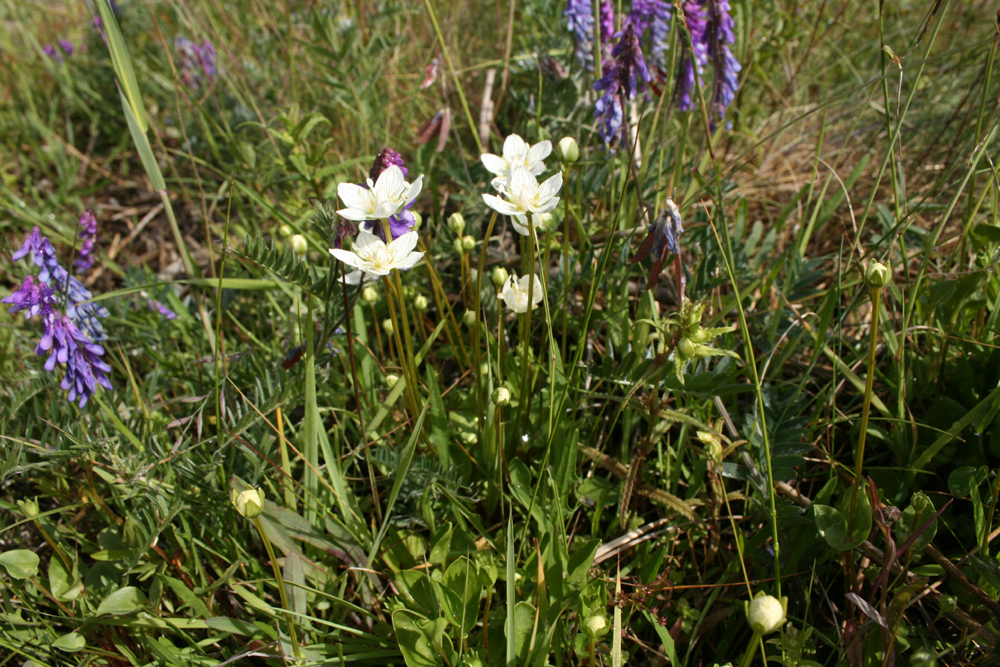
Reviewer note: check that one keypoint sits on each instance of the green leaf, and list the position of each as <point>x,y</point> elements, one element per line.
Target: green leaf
<point>62,584</point>
<point>125,600</point>
<point>418,591</point>
<point>461,590</point>
<point>524,623</point>
<point>138,132</point>
<point>122,64</point>
<point>416,639</point>
<point>832,524</point>
<point>20,563</point>
<point>233,625</point>
<point>71,642</point>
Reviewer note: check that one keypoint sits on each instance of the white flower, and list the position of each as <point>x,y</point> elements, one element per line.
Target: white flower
<point>386,197</point>
<point>515,293</point>
<point>540,222</point>
<point>525,195</point>
<point>516,153</point>
<point>376,258</point>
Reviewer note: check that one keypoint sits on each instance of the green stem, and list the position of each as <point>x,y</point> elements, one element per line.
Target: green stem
<point>876,293</point>
<point>751,651</point>
<point>281,588</point>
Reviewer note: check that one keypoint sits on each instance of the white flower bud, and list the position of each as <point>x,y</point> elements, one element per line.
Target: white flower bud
<point>391,380</point>
<point>501,396</point>
<point>567,150</point>
<point>468,243</point>
<point>249,503</point>
<point>420,303</point>
<point>765,614</point>
<point>388,326</point>
<point>456,223</point>
<point>298,243</point>
<point>418,220</point>
<point>469,318</point>
<point>459,246</point>
<point>500,276</point>
<point>877,275</point>
<point>370,294</point>
<point>284,231</point>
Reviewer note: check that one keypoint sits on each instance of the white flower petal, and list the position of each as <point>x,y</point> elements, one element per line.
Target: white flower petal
<point>546,207</point>
<point>515,147</point>
<point>354,277</point>
<point>520,224</point>
<point>551,186</point>
<point>390,182</point>
<point>385,209</point>
<point>409,261</point>
<point>353,214</point>
<point>538,152</point>
<point>500,183</point>
<point>521,180</point>
<point>499,205</point>
<point>403,245</point>
<point>354,196</point>
<point>346,256</point>
<point>365,239</point>
<point>494,164</point>
<point>415,189</point>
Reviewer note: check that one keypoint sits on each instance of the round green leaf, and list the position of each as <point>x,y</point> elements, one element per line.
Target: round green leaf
<point>74,641</point>
<point>123,601</point>
<point>20,563</point>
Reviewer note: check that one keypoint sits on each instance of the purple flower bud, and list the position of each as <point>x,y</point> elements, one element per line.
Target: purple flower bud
<point>66,46</point>
<point>387,157</point>
<point>195,62</point>
<point>88,233</point>
<point>32,297</point>
<point>161,309</point>
<point>656,15</point>
<point>580,21</point>
<point>51,52</point>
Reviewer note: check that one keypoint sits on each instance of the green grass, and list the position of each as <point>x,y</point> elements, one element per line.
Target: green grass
<point>633,495</point>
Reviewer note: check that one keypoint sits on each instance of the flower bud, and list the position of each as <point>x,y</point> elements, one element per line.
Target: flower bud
<point>420,303</point>
<point>469,318</point>
<point>596,625</point>
<point>391,380</point>
<point>388,326</point>
<point>501,396</point>
<point>685,348</point>
<point>456,223</point>
<point>298,243</point>
<point>877,275</point>
<point>418,220</point>
<point>500,276</point>
<point>29,508</point>
<point>567,151</point>
<point>250,503</point>
<point>459,246</point>
<point>765,613</point>
<point>370,294</point>
<point>469,243</point>
<point>284,231</point>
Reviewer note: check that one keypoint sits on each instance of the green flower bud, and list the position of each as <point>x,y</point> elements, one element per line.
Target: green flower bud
<point>766,613</point>
<point>391,380</point>
<point>469,318</point>
<point>567,151</point>
<point>418,220</point>
<point>370,294</point>
<point>388,326</point>
<point>459,246</point>
<point>420,303</point>
<point>596,625</point>
<point>468,243</point>
<point>501,396</point>
<point>500,276</point>
<point>456,223</point>
<point>298,243</point>
<point>284,231</point>
<point>29,508</point>
<point>249,503</point>
<point>685,348</point>
<point>877,275</point>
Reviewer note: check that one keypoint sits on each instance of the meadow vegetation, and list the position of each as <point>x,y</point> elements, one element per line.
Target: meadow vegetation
<point>707,376</point>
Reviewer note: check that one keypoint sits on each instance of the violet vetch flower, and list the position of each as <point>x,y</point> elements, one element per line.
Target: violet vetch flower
<point>653,14</point>
<point>161,309</point>
<point>88,233</point>
<point>696,13</point>
<point>66,46</point>
<point>51,52</point>
<point>70,339</point>
<point>726,66</point>
<point>580,21</point>
<point>383,160</point>
<point>625,76</point>
<point>607,17</point>
<point>196,62</point>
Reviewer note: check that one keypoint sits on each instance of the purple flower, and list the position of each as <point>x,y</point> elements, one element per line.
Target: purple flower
<point>33,297</point>
<point>654,14</point>
<point>696,13</point>
<point>66,46</point>
<point>607,15</point>
<point>88,233</point>
<point>161,309</point>
<point>51,52</point>
<point>580,21</point>
<point>387,157</point>
<point>625,76</point>
<point>726,66</point>
<point>195,61</point>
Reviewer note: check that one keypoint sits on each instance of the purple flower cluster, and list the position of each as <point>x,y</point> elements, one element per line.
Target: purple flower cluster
<point>161,309</point>
<point>52,52</point>
<point>625,76</point>
<point>88,233</point>
<point>400,223</point>
<point>711,28</point>
<point>580,21</point>
<point>655,15</point>
<point>196,62</point>
<point>70,339</point>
